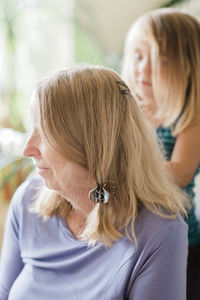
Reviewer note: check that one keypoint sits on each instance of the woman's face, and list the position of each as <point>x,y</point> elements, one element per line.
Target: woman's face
<point>60,174</point>
<point>141,65</point>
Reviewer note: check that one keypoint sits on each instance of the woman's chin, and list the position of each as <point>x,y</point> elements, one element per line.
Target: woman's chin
<point>51,184</point>
<point>146,95</point>
<point>147,99</point>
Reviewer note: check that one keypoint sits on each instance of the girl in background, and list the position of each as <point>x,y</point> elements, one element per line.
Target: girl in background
<point>162,66</point>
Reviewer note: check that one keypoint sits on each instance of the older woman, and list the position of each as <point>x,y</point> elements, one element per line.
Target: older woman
<point>103,220</point>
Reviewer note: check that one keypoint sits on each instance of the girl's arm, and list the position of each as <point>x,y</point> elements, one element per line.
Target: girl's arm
<point>185,156</point>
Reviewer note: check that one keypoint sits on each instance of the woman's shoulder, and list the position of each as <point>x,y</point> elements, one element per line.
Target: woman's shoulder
<point>27,192</point>
<point>158,229</point>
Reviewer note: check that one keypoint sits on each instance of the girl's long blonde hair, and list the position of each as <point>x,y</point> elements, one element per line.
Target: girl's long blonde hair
<point>90,117</point>
<point>175,39</point>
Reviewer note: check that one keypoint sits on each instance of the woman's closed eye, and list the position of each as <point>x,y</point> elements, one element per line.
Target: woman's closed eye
<point>137,56</point>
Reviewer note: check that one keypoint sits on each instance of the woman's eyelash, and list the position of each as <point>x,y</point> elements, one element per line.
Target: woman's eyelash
<point>137,55</point>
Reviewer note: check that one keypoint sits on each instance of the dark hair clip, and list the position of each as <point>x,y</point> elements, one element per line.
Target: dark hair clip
<point>125,91</point>
<point>99,194</point>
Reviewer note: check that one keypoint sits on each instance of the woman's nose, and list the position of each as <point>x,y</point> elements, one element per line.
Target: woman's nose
<point>145,66</point>
<point>31,147</point>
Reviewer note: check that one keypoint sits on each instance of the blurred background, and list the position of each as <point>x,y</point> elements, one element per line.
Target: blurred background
<point>38,37</point>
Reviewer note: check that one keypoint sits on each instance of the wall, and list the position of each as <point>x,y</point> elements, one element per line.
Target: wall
<point>109,20</point>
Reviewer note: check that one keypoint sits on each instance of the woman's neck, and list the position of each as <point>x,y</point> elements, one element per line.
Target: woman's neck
<point>81,207</point>
<point>149,111</point>
<point>76,223</point>
<point>77,219</point>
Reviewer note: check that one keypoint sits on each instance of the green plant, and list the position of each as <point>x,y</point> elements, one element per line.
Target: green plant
<point>173,2</point>
<point>10,11</point>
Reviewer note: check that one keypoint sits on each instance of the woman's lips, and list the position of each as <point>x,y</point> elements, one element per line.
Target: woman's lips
<point>42,169</point>
<point>147,83</point>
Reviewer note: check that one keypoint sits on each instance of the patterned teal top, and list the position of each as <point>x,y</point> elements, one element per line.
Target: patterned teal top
<point>167,144</point>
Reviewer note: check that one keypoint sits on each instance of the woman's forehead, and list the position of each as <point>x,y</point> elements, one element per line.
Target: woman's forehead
<point>34,108</point>
<point>141,42</point>
<point>141,33</point>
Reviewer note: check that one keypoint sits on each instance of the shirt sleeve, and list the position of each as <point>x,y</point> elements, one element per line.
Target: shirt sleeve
<point>11,263</point>
<point>163,275</point>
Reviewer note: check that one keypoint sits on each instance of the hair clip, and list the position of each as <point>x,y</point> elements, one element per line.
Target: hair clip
<point>99,194</point>
<point>125,91</point>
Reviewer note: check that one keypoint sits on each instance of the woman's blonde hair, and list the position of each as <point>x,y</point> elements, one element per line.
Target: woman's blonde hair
<point>89,116</point>
<point>175,57</point>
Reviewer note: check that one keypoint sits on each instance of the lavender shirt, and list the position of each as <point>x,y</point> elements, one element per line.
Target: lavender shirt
<point>42,260</point>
